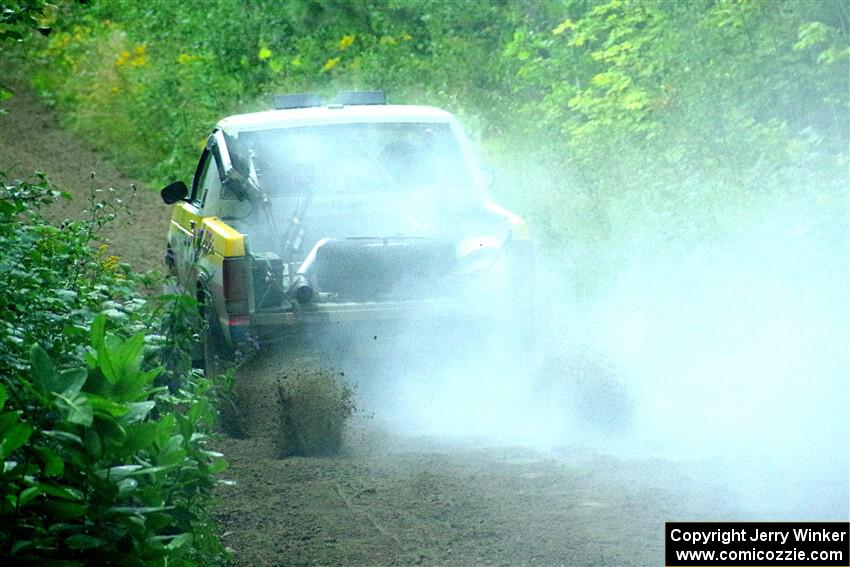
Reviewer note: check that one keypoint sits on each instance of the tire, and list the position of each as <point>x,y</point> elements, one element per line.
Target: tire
<point>217,354</point>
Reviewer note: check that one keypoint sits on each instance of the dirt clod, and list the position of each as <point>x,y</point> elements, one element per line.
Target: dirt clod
<point>312,413</point>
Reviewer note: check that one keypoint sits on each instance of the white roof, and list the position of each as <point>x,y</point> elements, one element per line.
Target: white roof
<point>332,114</point>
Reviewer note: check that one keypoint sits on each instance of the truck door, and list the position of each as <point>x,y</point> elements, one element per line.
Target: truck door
<point>189,214</point>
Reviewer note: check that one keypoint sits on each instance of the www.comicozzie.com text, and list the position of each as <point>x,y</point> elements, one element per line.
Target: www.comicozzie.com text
<point>733,535</point>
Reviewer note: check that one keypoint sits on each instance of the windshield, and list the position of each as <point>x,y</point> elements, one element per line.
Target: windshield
<point>359,158</point>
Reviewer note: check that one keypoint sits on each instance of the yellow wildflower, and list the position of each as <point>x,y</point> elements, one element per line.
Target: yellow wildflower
<point>264,53</point>
<point>140,49</point>
<point>346,42</point>
<point>138,61</point>
<point>110,263</point>
<point>330,64</point>
<point>122,59</point>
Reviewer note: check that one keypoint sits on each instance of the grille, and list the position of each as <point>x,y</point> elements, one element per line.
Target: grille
<point>372,269</point>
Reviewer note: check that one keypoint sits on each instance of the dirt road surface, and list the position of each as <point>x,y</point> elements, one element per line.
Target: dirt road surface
<point>31,140</point>
<point>391,497</point>
<point>396,498</point>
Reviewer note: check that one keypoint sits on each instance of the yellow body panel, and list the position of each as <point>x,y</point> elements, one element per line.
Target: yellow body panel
<point>225,240</point>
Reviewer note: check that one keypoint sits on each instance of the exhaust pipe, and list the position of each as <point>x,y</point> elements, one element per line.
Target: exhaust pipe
<point>301,289</point>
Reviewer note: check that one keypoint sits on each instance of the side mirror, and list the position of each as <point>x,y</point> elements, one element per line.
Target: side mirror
<point>174,192</point>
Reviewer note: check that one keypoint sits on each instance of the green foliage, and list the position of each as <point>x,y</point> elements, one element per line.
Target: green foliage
<point>100,463</point>
<point>642,114</point>
<point>55,282</point>
<point>19,16</point>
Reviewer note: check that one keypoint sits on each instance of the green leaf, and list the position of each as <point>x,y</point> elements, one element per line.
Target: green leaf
<point>63,436</point>
<point>133,386</point>
<point>171,457</point>
<point>118,472</point>
<point>14,438</point>
<point>73,380</point>
<point>811,33</point>
<point>179,541</point>
<point>127,486</point>
<point>3,396</point>
<point>107,406</point>
<point>8,421</point>
<point>28,494</point>
<point>139,510</point>
<point>83,541</point>
<point>110,430</point>
<point>129,355</point>
<point>100,343</point>
<point>53,463</point>
<point>21,545</point>
<point>91,359</point>
<point>63,492</point>
<point>98,332</point>
<point>563,26</point>
<point>104,362</point>
<point>75,409</point>
<point>150,470</point>
<point>218,466</point>
<point>140,436</point>
<point>174,443</point>
<point>276,65</point>
<point>44,373</point>
<point>93,443</point>
<point>65,510</point>
<point>138,411</point>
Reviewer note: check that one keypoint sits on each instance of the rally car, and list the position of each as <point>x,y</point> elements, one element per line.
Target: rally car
<point>343,214</point>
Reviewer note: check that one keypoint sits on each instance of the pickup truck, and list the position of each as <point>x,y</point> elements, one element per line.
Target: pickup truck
<point>342,214</point>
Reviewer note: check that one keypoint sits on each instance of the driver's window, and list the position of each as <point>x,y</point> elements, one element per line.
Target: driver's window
<point>209,181</point>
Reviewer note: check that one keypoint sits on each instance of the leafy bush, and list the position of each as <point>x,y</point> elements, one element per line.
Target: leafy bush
<point>102,463</point>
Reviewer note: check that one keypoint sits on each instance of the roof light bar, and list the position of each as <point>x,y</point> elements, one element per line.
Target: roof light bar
<point>361,97</point>
<point>299,100</point>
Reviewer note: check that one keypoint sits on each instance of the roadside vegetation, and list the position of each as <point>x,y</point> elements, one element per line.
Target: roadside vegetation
<point>604,120</point>
<point>621,128</point>
<point>103,423</point>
